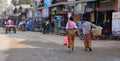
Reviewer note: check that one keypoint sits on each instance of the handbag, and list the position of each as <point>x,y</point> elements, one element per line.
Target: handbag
<point>65,40</point>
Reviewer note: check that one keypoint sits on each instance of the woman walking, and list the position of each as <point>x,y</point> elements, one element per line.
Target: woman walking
<point>87,33</point>
<point>70,27</point>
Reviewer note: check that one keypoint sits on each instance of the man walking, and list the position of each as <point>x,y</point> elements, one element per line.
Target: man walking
<point>87,33</point>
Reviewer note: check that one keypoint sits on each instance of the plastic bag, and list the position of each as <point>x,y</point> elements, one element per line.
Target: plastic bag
<point>65,40</point>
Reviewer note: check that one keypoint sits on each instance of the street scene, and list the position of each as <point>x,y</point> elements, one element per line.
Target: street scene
<point>59,30</point>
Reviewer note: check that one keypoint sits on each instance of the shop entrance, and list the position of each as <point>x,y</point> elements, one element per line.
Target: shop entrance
<point>104,19</point>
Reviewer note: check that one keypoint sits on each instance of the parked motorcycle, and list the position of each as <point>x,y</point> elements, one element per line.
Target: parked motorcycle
<point>61,31</point>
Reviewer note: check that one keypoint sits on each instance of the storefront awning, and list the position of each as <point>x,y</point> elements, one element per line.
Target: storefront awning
<point>107,6</point>
<point>65,3</point>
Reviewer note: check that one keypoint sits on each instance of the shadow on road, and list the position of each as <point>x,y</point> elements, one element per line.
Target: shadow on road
<point>49,51</point>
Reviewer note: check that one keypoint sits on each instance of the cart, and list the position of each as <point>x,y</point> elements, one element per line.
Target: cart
<point>8,28</point>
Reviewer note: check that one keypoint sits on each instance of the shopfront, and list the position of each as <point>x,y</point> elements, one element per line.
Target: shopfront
<point>89,11</point>
<point>103,15</point>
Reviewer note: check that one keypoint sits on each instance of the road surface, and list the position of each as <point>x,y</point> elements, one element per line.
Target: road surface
<point>34,46</point>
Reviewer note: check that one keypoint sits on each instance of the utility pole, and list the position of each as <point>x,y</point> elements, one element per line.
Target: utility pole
<point>34,10</point>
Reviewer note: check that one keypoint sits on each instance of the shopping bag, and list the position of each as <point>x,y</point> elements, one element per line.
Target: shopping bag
<point>65,40</point>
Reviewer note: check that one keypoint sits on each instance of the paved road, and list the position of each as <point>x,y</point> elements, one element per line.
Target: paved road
<point>34,46</point>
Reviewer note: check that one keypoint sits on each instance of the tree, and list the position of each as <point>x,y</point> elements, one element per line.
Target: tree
<point>26,1</point>
<point>15,2</point>
<point>10,6</point>
<point>3,4</point>
<point>3,1</point>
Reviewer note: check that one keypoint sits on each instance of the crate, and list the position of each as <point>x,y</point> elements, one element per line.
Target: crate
<point>96,32</point>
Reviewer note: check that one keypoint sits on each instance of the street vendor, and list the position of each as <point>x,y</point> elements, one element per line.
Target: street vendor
<point>9,26</point>
<point>10,22</point>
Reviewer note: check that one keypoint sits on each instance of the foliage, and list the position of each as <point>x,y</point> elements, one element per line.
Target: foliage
<point>3,4</point>
<point>26,1</point>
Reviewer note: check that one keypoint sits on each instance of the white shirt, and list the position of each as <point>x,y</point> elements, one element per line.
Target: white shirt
<point>73,25</point>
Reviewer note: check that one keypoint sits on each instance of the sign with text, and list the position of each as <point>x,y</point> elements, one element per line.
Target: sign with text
<point>116,24</point>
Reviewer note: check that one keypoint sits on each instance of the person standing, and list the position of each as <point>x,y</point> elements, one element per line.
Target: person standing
<point>20,26</point>
<point>87,33</point>
<point>43,23</point>
<point>70,27</point>
<point>52,25</point>
<point>10,22</point>
<point>79,24</point>
<point>47,25</point>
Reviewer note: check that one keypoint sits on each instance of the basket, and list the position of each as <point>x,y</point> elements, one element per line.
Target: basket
<point>96,32</point>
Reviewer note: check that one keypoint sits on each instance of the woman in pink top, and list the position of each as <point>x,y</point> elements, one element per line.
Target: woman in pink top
<point>10,22</point>
<point>70,27</point>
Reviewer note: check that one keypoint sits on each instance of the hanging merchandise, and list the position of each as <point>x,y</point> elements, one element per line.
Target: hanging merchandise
<point>38,14</point>
<point>29,15</point>
<point>45,12</point>
<point>58,18</point>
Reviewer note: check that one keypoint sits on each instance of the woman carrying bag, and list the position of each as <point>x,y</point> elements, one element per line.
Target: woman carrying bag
<point>70,27</point>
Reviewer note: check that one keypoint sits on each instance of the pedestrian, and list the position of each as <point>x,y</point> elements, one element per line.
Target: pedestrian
<point>70,27</point>
<point>79,24</point>
<point>87,33</point>
<point>47,25</point>
<point>43,23</point>
<point>107,28</point>
<point>20,26</point>
<point>52,24</point>
<point>23,26</point>
<point>10,22</point>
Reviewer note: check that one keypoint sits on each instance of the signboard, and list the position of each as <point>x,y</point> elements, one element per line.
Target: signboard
<point>79,8</point>
<point>116,24</point>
